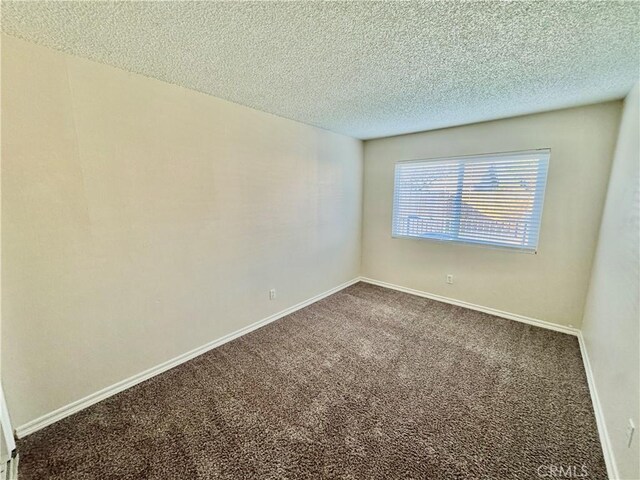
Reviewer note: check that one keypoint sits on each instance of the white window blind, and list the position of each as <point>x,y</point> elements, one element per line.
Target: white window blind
<point>493,199</point>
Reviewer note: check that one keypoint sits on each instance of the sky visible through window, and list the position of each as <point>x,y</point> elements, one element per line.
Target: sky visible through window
<point>488,199</point>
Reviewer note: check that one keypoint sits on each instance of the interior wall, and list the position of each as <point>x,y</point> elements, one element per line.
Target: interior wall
<point>550,285</point>
<point>611,327</point>
<point>142,220</point>
<point>3,450</point>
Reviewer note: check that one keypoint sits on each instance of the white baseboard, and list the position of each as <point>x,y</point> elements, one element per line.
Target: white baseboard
<point>60,413</point>
<point>70,409</point>
<point>607,451</point>
<point>609,459</point>
<point>479,308</point>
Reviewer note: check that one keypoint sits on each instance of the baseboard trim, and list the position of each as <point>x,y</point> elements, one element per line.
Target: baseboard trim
<point>612,471</point>
<point>609,459</point>
<point>67,410</point>
<point>479,308</point>
<point>70,409</point>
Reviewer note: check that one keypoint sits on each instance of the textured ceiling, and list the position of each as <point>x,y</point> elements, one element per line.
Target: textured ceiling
<point>365,69</point>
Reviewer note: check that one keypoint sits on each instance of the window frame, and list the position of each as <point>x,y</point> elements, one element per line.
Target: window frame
<point>480,156</point>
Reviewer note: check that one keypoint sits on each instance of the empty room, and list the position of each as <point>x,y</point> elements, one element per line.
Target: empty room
<point>320,240</point>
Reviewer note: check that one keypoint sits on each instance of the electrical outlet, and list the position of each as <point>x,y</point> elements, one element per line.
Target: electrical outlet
<point>272,294</point>
<point>449,279</point>
<point>631,428</point>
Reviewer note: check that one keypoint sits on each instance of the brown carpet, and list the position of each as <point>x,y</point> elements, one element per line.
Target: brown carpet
<point>368,383</point>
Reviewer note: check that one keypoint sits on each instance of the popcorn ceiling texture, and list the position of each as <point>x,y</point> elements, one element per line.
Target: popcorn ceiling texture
<point>365,69</point>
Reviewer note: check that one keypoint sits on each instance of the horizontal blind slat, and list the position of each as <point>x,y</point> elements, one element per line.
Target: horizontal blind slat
<point>493,200</point>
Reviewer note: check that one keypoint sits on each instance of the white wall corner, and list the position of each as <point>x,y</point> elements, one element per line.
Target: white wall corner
<point>607,450</point>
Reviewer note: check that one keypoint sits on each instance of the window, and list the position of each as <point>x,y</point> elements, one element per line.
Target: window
<point>493,199</point>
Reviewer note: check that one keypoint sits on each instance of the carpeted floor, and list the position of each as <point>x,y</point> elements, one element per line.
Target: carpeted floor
<point>369,383</point>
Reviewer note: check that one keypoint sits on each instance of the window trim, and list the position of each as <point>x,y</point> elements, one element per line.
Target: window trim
<point>478,156</point>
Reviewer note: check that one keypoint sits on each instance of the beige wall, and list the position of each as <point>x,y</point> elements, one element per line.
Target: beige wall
<point>549,286</point>
<point>142,220</point>
<point>612,316</point>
